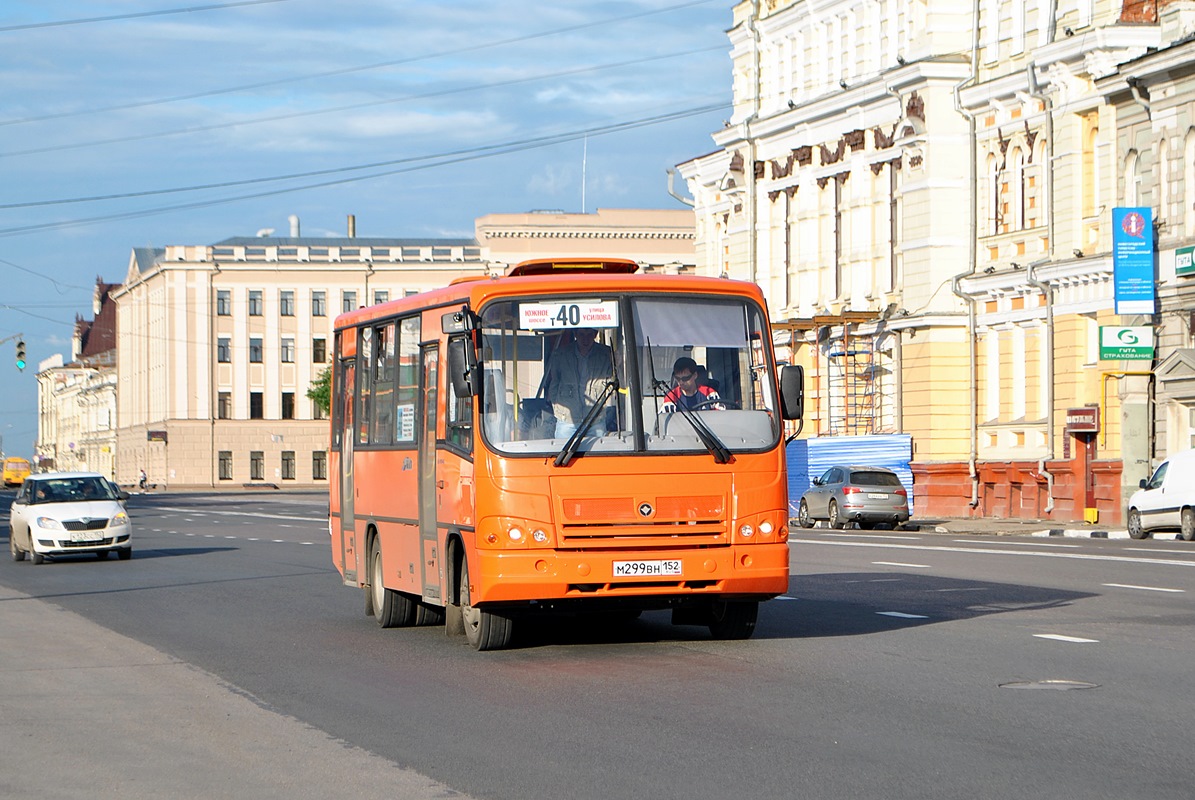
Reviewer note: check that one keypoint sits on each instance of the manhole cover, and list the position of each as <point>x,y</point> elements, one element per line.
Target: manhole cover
<point>1050,684</point>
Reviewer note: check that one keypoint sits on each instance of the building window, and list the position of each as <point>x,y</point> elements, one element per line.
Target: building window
<point>288,405</point>
<point>255,349</point>
<point>223,303</point>
<point>255,406</point>
<point>288,465</point>
<point>257,465</point>
<point>286,303</point>
<point>255,302</point>
<point>317,411</point>
<point>319,351</point>
<point>319,465</point>
<point>224,350</point>
<point>348,300</point>
<point>225,465</point>
<point>381,296</point>
<point>288,351</point>
<point>319,304</point>
<point>224,405</point>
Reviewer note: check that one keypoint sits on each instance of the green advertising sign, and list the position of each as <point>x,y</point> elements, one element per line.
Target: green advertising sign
<point>1184,261</point>
<point>1118,343</point>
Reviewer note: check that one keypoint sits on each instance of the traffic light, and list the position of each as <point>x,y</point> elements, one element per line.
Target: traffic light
<point>21,354</point>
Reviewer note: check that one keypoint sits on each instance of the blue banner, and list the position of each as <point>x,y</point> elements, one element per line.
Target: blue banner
<point>1133,260</point>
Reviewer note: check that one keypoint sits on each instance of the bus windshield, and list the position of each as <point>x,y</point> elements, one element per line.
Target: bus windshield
<point>626,373</point>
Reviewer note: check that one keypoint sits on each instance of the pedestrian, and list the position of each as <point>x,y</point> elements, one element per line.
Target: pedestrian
<point>144,482</point>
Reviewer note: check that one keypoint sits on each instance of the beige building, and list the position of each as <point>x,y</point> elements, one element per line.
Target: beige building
<point>77,399</point>
<point>218,344</point>
<point>924,191</point>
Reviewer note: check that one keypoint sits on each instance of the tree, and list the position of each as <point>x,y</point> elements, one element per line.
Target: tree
<point>321,390</point>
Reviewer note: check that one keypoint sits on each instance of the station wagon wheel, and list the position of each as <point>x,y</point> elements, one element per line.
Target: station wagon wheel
<point>1188,524</point>
<point>1135,529</point>
<point>34,556</point>
<point>836,520</point>
<point>803,518</point>
<point>733,620</point>
<point>17,553</point>
<point>392,609</point>
<point>124,553</point>
<point>485,630</point>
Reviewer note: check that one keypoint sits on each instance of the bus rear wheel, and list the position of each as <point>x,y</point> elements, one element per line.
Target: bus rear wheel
<point>484,630</point>
<point>733,620</point>
<point>392,609</point>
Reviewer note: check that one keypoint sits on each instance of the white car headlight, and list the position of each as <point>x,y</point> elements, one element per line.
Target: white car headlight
<point>121,518</point>
<point>49,523</point>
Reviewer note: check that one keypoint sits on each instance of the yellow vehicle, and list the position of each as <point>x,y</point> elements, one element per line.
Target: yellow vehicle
<point>15,471</point>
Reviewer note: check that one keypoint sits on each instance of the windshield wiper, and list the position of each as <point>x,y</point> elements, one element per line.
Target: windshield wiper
<point>708,438</point>
<point>570,447</point>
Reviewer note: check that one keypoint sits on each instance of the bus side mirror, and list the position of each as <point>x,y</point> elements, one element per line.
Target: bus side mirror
<point>462,366</point>
<point>792,392</point>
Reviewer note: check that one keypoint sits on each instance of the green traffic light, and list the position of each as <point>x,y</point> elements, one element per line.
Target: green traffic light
<point>21,355</point>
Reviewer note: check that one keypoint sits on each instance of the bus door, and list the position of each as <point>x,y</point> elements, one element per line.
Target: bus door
<point>346,397</point>
<point>428,485</point>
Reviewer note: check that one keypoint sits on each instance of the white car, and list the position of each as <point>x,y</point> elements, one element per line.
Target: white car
<point>1167,500</point>
<point>63,513</point>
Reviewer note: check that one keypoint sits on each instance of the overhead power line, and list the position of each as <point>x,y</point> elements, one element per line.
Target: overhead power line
<point>425,162</point>
<point>366,104</point>
<point>134,15</point>
<point>351,70</point>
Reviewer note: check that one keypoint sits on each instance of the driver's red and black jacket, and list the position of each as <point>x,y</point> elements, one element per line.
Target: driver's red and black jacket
<point>704,396</point>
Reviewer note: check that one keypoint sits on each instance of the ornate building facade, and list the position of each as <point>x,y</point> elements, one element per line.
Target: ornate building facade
<point>925,191</point>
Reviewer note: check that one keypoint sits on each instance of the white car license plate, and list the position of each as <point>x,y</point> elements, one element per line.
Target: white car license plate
<point>877,496</point>
<point>86,536</point>
<point>646,569</point>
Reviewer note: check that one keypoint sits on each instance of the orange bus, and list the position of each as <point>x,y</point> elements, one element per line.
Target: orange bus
<point>515,445</point>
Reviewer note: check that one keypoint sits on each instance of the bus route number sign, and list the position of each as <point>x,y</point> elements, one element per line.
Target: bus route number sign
<point>569,314</point>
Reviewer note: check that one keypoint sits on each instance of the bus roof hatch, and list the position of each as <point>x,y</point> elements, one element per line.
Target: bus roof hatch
<point>574,266</point>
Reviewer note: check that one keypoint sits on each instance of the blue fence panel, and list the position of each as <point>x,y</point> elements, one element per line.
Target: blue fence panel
<point>809,458</point>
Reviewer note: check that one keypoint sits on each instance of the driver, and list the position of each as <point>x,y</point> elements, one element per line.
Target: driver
<point>689,392</point>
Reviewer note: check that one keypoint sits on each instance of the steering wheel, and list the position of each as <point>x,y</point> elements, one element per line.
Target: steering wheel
<point>712,402</point>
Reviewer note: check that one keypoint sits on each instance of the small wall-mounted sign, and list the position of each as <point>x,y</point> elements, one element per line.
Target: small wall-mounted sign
<point>155,436</point>
<point>1083,420</point>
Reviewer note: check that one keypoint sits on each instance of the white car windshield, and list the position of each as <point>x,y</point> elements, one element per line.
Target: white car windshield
<point>70,490</point>
<point>646,373</point>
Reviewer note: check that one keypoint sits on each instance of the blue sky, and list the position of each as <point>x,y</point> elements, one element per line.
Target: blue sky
<point>133,123</point>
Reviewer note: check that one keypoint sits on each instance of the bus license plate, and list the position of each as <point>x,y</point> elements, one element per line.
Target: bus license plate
<point>646,569</point>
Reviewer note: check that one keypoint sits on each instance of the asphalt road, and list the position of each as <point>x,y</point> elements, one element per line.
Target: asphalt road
<point>900,665</point>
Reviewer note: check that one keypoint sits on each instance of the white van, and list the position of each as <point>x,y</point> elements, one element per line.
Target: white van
<point>1167,500</point>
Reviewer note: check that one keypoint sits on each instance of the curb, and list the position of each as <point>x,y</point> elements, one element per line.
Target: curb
<point>1081,533</point>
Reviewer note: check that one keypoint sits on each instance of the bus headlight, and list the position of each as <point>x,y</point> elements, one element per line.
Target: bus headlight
<point>539,535</point>
<point>515,533</point>
<point>746,531</point>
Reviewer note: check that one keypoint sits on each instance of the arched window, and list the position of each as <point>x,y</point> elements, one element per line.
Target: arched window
<point>1132,181</point>
<point>1189,183</point>
<point>1091,171</point>
<point>993,175</point>
<point>1164,179</point>
<point>1017,186</point>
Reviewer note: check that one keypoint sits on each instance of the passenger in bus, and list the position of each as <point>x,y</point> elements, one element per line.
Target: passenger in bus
<point>690,392</point>
<point>576,376</point>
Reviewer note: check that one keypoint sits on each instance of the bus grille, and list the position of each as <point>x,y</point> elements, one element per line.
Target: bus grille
<point>695,519</point>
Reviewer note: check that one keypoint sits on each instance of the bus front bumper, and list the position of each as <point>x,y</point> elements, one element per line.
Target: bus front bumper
<point>757,571</point>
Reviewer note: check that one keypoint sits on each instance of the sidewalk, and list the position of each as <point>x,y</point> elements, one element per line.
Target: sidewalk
<point>90,713</point>
<point>1018,527</point>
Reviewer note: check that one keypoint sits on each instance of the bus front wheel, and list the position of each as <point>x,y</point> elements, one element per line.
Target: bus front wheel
<point>392,609</point>
<point>485,630</point>
<point>733,620</point>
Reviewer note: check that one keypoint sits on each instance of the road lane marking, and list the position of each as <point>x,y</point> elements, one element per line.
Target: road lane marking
<point>786,597</point>
<point>1158,550</point>
<point>1020,544</point>
<point>1143,588</point>
<point>1057,637</point>
<point>899,564</point>
<point>874,536</point>
<point>978,551</point>
<point>323,521</point>
<point>901,615</point>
